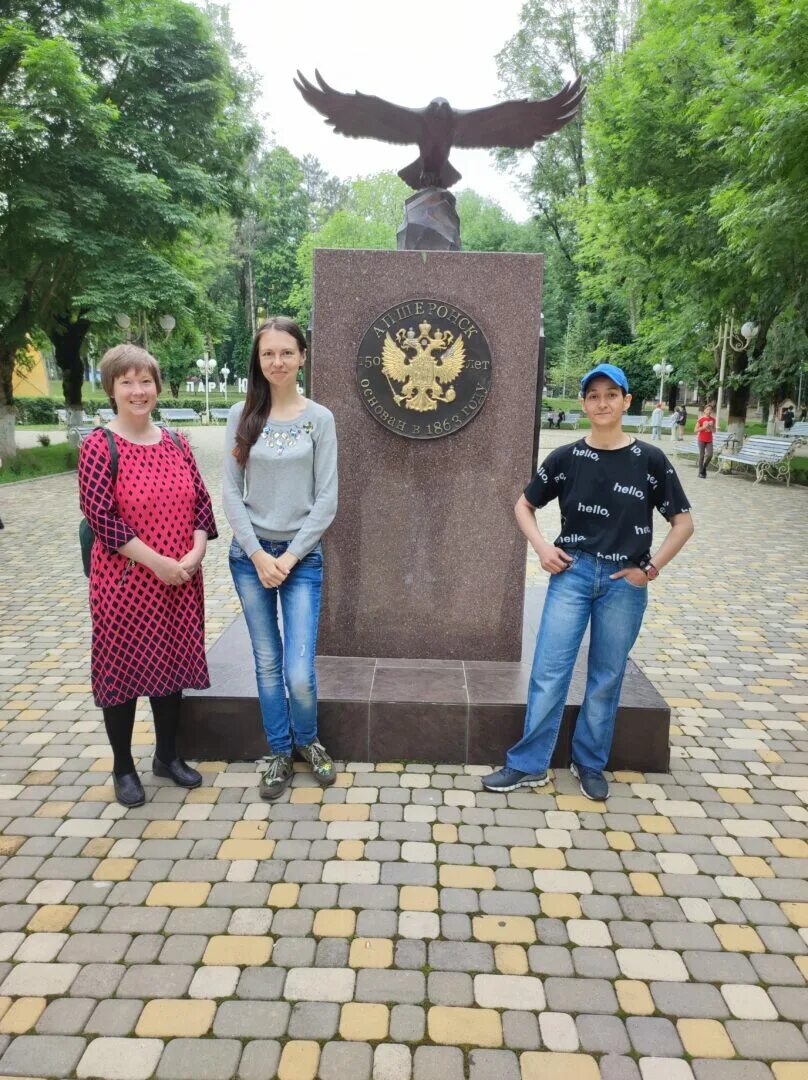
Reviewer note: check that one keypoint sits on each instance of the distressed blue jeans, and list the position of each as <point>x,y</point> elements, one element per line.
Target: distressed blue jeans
<point>284,666</point>
<point>616,608</point>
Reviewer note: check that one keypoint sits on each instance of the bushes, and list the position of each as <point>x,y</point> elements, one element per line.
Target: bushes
<point>39,410</point>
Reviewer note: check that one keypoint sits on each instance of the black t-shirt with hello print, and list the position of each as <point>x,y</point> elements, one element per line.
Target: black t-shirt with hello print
<point>607,497</point>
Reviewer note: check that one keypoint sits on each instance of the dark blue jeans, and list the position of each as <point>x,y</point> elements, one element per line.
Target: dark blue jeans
<point>283,665</point>
<point>616,608</point>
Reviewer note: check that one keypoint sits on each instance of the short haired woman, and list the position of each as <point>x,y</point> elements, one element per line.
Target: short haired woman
<point>280,495</point>
<point>705,426</point>
<point>151,525</point>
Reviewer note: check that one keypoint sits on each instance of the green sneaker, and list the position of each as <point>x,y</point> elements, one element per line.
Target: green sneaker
<point>277,777</point>
<point>321,764</point>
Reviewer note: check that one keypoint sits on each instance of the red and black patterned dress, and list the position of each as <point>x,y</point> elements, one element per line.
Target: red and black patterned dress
<point>148,637</point>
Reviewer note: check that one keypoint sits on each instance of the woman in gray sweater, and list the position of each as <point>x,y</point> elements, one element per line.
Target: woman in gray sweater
<point>280,495</point>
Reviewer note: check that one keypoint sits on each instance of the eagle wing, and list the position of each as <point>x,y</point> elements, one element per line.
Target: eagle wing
<point>518,124</point>
<point>361,116</point>
<point>394,361</point>
<point>452,362</point>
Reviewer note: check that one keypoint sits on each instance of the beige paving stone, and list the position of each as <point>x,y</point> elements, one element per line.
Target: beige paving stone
<point>735,795</point>
<point>248,830</point>
<point>344,812</point>
<point>283,894</point>
<point>99,793</point>
<point>98,848</point>
<point>237,950</point>
<point>792,848</point>
<point>538,858</point>
<point>705,1039</point>
<point>299,1060</point>
<point>203,794</point>
<point>22,1015</point>
<point>114,870</point>
<point>350,850</point>
<point>54,809</point>
<point>371,953</point>
<point>751,866</point>
<point>444,833</point>
<point>560,905</point>
<point>790,1070</point>
<point>389,766</point>
<point>796,913</point>
<point>634,997</point>
<point>9,845</point>
<point>303,796</point>
<point>161,830</point>
<point>166,1018</point>
<point>504,928</point>
<point>464,1027</point>
<point>739,938</point>
<point>580,804</point>
<point>541,1065</point>
<point>178,894</point>
<point>645,884</point>
<point>656,824</point>
<point>511,959</point>
<point>5,1005</point>
<point>418,898</point>
<point>467,877</point>
<point>52,918</point>
<point>360,1021</point>
<point>246,849</point>
<point>620,841</point>
<point>334,922</point>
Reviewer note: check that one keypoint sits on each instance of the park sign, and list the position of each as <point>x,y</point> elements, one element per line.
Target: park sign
<point>423,368</point>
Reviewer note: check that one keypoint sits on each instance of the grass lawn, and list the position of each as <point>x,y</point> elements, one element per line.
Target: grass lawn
<point>39,461</point>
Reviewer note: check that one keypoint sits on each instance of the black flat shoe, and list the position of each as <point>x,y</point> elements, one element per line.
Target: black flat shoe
<point>178,771</point>
<point>128,789</point>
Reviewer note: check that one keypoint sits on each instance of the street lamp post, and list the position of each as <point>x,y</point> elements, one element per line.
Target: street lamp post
<point>207,366</point>
<point>225,372</point>
<point>662,370</point>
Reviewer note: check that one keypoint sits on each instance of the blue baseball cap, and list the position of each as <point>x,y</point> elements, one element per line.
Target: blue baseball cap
<point>611,371</point>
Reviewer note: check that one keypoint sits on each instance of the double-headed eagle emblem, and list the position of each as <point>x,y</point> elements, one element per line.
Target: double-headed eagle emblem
<point>426,377</point>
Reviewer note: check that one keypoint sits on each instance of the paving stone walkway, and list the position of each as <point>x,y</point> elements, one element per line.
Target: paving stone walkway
<point>405,923</point>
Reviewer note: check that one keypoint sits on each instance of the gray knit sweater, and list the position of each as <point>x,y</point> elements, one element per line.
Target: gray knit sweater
<point>288,489</point>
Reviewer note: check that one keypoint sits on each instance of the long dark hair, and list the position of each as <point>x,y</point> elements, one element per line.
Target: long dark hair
<point>259,398</point>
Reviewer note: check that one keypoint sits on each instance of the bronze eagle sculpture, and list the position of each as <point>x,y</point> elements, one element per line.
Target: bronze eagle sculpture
<point>439,127</point>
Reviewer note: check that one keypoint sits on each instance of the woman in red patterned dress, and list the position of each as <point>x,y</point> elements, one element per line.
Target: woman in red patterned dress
<point>146,596</point>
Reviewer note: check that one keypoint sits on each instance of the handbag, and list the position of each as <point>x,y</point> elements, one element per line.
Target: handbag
<point>86,534</point>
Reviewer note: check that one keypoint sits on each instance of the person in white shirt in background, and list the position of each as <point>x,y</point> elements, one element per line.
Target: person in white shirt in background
<point>656,422</point>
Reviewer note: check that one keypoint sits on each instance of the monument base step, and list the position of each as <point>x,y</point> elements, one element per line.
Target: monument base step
<point>439,711</point>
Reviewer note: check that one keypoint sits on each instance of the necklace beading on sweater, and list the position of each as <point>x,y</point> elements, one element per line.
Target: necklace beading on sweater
<point>279,441</point>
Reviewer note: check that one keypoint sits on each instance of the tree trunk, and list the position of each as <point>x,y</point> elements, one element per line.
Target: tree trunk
<point>738,395</point>
<point>68,334</point>
<point>12,339</point>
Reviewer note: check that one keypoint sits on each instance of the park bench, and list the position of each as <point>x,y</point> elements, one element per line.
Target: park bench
<point>722,440</point>
<point>572,419</point>
<point>219,413</point>
<point>634,423</point>
<point>187,415</point>
<point>105,415</point>
<point>797,431</point>
<point>61,416</point>
<point>769,457</point>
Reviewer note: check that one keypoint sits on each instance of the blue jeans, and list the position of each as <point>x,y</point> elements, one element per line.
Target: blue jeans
<point>283,665</point>
<point>616,609</point>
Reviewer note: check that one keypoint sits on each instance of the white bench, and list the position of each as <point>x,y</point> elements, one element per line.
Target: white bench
<point>797,431</point>
<point>61,415</point>
<point>722,440</point>
<point>633,423</point>
<point>769,457</point>
<point>572,419</point>
<point>105,415</point>
<point>219,413</point>
<point>187,415</point>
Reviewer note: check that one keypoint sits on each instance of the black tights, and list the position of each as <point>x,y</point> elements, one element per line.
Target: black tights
<point>119,721</point>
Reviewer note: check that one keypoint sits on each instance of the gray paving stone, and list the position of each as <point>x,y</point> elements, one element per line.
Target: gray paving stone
<point>261,983</point>
<point>410,953</point>
<point>705,1069</point>
<point>17,916</point>
<point>782,939</point>
<point>156,981</point>
<point>407,1023</point>
<point>696,1000</point>
<point>681,936</point>
<point>207,921</point>
<point>146,948</point>
<point>520,1030</point>
<point>292,922</point>
<point>65,1016</point>
<point>777,969</point>
<point>502,1064</point>
<point>631,935</point>
<point>595,963</point>
<point>199,1059</point>
<point>252,1019</point>
<point>651,1036</point>
<point>455,927</point>
<point>450,988</point>
<point>790,1002</point>
<point>42,1055</point>
<point>600,907</point>
<point>618,1068</point>
<point>114,1017</point>
<point>314,1020</point>
<point>500,902</point>
<point>438,1063</point>
<point>375,897</point>
<point>458,900</point>
<point>552,931</point>
<point>332,952</point>
<point>404,987</point>
<point>377,924</point>
<point>260,1060</point>
<point>460,956</point>
<point>652,908</point>
<point>550,960</point>
<point>98,981</point>
<point>580,995</point>
<point>602,1034</point>
<point>293,952</point>
<point>722,967</point>
<point>339,1060</point>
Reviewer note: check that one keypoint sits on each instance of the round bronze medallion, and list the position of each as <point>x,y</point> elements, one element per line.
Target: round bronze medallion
<point>423,369</point>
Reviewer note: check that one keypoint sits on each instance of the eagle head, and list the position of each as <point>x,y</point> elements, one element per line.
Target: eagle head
<point>439,107</point>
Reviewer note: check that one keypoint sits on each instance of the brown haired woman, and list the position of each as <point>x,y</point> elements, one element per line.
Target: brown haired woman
<point>146,599</point>
<point>280,495</point>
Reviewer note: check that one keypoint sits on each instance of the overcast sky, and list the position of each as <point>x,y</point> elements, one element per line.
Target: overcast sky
<point>405,52</point>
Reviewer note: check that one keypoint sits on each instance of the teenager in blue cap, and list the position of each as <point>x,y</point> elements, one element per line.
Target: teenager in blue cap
<point>600,564</point>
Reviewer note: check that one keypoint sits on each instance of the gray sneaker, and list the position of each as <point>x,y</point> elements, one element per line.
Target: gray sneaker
<point>506,779</point>
<point>321,764</point>
<point>593,784</point>
<point>277,776</point>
